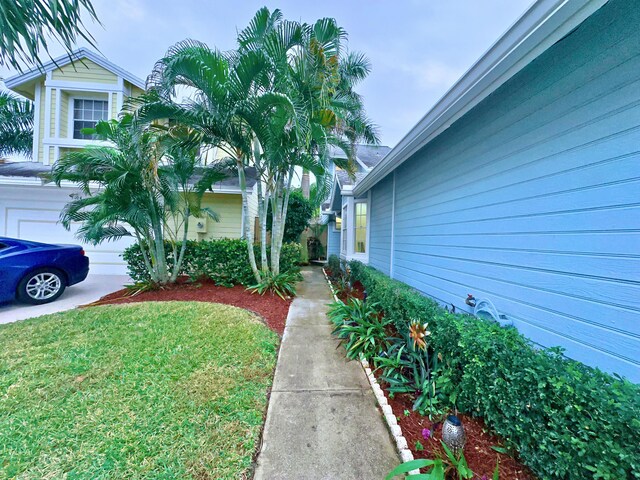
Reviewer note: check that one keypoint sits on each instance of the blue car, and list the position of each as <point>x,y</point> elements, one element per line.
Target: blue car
<point>38,273</point>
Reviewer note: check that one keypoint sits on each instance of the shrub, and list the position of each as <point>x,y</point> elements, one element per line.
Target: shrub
<point>333,265</point>
<point>400,302</point>
<point>283,284</point>
<point>135,263</point>
<point>289,257</point>
<point>566,420</point>
<point>409,369</point>
<point>224,261</point>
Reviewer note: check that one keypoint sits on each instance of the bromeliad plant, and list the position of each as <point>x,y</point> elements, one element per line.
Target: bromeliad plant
<point>363,330</point>
<point>343,286</point>
<point>410,366</point>
<point>283,284</point>
<point>340,275</point>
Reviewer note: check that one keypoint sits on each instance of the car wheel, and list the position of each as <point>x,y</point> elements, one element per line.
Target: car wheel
<point>41,286</point>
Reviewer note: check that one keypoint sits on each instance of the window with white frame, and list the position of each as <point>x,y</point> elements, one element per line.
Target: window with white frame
<point>360,227</point>
<point>344,229</point>
<point>86,113</point>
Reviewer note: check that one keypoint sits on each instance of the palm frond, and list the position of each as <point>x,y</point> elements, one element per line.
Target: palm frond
<point>16,125</point>
<point>27,26</point>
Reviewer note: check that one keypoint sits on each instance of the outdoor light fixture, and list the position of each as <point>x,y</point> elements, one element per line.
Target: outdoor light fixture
<point>453,433</point>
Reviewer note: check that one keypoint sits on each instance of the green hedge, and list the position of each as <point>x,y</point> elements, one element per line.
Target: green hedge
<point>566,420</point>
<point>224,261</point>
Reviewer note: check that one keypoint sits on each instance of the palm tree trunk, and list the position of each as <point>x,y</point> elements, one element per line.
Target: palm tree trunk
<point>285,208</point>
<point>277,225</point>
<point>306,193</point>
<point>179,259</point>
<point>263,204</point>
<point>263,207</point>
<point>161,256</point>
<point>278,234</point>
<point>305,185</point>
<point>145,257</point>
<point>245,214</point>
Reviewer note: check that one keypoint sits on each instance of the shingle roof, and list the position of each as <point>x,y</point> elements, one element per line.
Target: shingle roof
<point>23,169</point>
<point>367,155</point>
<point>344,178</point>
<point>371,155</point>
<point>232,179</point>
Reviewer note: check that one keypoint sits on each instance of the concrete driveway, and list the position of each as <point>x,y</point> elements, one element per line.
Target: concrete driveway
<point>94,287</point>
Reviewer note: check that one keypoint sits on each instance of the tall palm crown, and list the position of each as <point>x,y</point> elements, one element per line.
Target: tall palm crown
<point>277,102</point>
<point>311,66</point>
<point>16,125</point>
<point>124,174</point>
<point>226,105</point>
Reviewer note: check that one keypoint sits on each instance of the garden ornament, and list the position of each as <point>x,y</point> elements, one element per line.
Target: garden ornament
<point>453,433</point>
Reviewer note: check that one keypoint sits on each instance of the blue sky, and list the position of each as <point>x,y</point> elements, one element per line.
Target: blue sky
<point>418,48</point>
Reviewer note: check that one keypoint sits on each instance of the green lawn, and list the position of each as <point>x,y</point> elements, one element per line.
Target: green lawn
<point>151,390</point>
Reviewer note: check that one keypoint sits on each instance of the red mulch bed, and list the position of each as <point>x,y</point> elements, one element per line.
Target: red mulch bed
<point>270,307</point>
<point>480,457</point>
<point>478,453</point>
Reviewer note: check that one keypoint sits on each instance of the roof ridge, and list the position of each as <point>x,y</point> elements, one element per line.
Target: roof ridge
<point>75,55</point>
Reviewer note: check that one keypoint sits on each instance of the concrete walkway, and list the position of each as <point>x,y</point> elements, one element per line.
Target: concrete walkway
<point>322,421</point>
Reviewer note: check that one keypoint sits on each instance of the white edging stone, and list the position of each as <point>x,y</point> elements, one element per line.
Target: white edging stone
<point>387,412</point>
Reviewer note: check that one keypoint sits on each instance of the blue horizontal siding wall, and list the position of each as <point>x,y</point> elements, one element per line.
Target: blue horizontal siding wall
<point>380,218</point>
<point>333,240</point>
<point>532,199</point>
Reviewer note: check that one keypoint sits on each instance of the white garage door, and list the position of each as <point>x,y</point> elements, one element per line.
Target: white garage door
<point>32,212</point>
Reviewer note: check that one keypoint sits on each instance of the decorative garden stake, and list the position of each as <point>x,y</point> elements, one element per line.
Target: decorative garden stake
<point>453,433</point>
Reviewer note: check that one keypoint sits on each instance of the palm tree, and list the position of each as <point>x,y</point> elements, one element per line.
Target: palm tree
<point>141,187</point>
<point>16,125</point>
<point>228,107</point>
<point>318,75</point>
<point>275,103</point>
<point>26,27</point>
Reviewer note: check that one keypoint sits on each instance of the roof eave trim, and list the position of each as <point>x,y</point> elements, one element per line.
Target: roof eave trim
<point>544,24</point>
<point>336,187</point>
<point>77,55</point>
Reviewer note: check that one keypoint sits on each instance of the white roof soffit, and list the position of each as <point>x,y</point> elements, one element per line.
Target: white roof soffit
<point>542,25</point>
<point>76,56</point>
